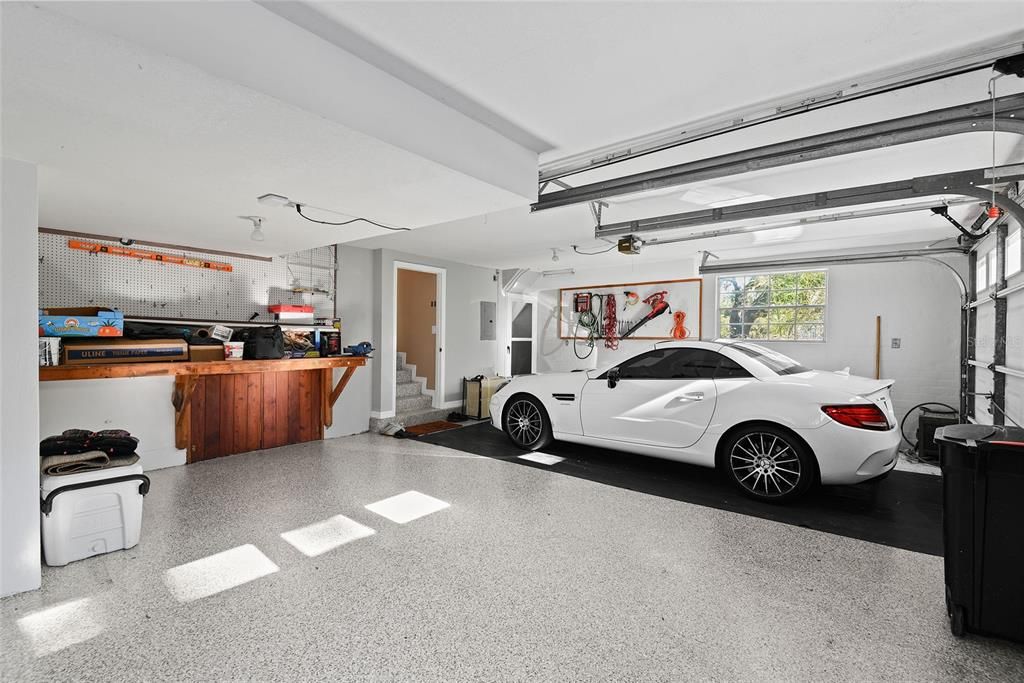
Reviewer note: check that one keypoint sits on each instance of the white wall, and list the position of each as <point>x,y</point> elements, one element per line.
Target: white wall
<point>918,302</point>
<point>19,397</point>
<point>142,405</point>
<point>358,309</point>
<point>465,354</point>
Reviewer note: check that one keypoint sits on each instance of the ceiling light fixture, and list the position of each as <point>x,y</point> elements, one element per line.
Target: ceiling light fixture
<point>561,271</point>
<point>257,228</point>
<point>554,254</point>
<point>275,200</point>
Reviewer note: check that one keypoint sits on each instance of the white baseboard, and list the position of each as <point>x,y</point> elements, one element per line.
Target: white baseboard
<point>382,415</point>
<point>452,404</point>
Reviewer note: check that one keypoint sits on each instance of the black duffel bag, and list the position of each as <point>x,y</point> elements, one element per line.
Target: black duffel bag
<point>262,343</point>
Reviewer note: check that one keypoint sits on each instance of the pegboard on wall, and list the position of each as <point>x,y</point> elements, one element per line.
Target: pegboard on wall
<point>632,302</point>
<point>151,289</point>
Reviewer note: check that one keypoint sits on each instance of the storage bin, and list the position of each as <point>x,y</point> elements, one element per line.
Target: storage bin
<point>477,394</point>
<point>983,538</point>
<point>91,513</point>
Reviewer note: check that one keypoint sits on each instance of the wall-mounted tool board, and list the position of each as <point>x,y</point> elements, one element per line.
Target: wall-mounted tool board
<point>681,295</point>
<point>151,289</point>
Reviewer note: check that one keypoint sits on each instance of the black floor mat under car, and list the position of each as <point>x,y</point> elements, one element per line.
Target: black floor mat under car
<point>903,510</point>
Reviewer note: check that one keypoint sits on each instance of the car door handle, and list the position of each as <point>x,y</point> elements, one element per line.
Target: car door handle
<point>693,396</point>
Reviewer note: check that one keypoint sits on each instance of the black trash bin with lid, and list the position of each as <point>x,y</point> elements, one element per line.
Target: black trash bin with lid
<point>983,528</point>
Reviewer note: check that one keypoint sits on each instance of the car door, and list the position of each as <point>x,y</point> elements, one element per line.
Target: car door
<point>664,397</point>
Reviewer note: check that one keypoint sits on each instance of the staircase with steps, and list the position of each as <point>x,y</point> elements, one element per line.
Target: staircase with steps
<point>412,406</point>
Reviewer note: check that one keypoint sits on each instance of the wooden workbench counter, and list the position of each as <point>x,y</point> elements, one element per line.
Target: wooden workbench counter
<point>226,407</point>
<point>217,367</point>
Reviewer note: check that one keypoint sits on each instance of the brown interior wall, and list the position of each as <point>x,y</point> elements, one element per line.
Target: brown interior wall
<point>417,314</point>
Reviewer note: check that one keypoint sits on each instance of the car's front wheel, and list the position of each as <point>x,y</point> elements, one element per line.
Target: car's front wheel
<point>527,423</point>
<point>768,463</point>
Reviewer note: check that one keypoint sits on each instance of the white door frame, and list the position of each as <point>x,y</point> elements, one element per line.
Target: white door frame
<point>442,274</point>
<point>526,299</point>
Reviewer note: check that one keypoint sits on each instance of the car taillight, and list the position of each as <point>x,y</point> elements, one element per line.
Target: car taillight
<point>862,416</point>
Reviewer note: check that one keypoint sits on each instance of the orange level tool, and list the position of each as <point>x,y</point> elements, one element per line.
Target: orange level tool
<point>94,248</point>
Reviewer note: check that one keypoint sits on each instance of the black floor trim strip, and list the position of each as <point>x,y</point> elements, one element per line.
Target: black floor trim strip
<point>903,511</point>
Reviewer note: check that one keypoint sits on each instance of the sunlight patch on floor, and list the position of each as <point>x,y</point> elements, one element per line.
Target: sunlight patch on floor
<point>54,628</point>
<point>542,458</point>
<point>407,506</point>
<point>320,537</point>
<point>210,575</point>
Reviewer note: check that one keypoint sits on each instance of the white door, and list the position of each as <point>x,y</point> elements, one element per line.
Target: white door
<point>664,397</point>
<point>522,350</point>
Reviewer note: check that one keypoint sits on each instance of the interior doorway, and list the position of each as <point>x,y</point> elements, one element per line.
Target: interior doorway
<point>522,348</point>
<point>419,333</point>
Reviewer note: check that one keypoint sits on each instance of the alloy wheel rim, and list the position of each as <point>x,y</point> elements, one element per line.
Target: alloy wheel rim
<point>765,464</point>
<point>524,422</point>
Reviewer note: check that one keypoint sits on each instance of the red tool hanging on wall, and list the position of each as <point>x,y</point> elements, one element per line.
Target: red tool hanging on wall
<point>611,338</point>
<point>658,306</point>
<point>679,330</point>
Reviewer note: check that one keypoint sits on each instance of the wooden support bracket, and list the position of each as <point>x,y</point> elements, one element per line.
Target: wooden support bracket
<point>342,383</point>
<point>184,386</point>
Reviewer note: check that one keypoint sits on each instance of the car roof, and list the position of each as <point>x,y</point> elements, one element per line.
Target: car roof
<point>688,343</point>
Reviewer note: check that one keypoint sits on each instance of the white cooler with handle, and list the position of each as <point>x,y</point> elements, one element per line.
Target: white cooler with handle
<point>91,513</point>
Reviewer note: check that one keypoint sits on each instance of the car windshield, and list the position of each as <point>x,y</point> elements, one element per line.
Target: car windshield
<point>776,362</point>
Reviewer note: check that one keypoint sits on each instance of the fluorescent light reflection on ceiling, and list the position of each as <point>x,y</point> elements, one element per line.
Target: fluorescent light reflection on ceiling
<point>216,573</point>
<point>407,506</point>
<point>320,537</point>
<point>55,628</point>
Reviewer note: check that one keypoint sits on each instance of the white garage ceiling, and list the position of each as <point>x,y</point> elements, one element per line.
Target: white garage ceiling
<point>586,74</point>
<point>136,143</point>
<point>164,121</point>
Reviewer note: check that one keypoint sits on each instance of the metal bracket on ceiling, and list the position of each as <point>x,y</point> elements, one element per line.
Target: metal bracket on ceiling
<point>595,209</point>
<point>704,255</point>
<point>943,211</point>
<point>560,183</point>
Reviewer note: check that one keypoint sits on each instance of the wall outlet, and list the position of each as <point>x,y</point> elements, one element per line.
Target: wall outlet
<point>895,342</point>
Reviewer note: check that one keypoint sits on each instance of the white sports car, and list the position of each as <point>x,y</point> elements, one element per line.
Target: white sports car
<point>773,426</point>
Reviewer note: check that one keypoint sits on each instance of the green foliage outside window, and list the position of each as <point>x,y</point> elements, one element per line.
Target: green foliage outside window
<point>773,306</point>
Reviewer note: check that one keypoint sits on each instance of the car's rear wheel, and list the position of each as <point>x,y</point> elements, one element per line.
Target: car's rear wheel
<point>768,463</point>
<point>527,423</point>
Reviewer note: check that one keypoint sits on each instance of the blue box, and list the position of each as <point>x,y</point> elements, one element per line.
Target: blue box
<point>80,322</point>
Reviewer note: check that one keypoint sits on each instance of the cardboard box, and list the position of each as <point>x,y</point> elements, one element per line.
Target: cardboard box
<point>80,322</point>
<point>103,351</point>
<point>49,351</point>
<point>205,352</point>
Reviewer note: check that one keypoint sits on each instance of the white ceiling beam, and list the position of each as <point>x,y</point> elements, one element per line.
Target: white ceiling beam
<point>244,43</point>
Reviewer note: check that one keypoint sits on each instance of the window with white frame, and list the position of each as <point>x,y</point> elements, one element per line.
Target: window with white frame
<point>992,268</point>
<point>1013,253</point>
<point>981,275</point>
<point>773,306</point>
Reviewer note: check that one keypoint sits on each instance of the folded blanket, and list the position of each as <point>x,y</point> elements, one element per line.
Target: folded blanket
<point>90,461</point>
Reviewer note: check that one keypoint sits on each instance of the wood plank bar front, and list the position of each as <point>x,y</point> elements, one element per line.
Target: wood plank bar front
<point>225,407</point>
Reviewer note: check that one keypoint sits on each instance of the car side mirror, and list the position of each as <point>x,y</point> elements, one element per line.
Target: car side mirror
<point>613,377</point>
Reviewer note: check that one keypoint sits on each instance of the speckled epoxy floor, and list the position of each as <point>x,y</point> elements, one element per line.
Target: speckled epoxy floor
<point>525,576</point>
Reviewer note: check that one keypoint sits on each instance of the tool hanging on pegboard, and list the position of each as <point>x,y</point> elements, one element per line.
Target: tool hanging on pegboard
<point>142,254</point>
